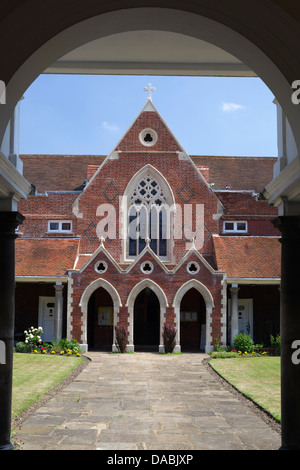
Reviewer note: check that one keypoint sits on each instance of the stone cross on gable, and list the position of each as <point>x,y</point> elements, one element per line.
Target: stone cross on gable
<point>150,89</point>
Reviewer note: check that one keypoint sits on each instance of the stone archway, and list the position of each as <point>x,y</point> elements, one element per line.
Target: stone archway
<point>161,296</point>
<point>100,321</point>
<point>84,301</point>
<point>209,302</point>
<point>192,321</point>
<point>221,27</point>
<point>146,322</point>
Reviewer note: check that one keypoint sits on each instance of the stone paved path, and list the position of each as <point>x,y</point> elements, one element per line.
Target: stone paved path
<point>146,401</point>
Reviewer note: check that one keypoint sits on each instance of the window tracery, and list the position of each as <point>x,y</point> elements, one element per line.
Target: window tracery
<point>147,217</point>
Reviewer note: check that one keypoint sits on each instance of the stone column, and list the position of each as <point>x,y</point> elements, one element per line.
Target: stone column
<point>290,330</point>
<point>177,347</point>
<point>9,221</point>
<point>58,310</point>
<point>234,311</point>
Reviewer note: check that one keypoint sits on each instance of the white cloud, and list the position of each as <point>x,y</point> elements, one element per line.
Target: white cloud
<point>109,127</point>
<point>230,107</point>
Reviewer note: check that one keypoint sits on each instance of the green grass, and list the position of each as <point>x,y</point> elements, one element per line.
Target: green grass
<point>35,375</point>
<point>258,378</point>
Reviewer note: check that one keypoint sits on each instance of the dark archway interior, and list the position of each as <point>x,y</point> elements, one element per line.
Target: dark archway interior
<point>146,321</point>
<point>100,321</point>
<point>192,321</point>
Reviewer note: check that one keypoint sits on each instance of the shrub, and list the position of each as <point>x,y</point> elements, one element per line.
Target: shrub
<point>22,347</point>
<point>63,345</point>
<point>223,354</point>
<point>217,345</point>
<point>121,338</point>
<point>276,343</point>
<point>243,343</point>
<point>33,337</point>
<point>169,334</point>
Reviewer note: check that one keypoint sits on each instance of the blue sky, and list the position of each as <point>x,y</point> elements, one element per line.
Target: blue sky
<point>88,114</point>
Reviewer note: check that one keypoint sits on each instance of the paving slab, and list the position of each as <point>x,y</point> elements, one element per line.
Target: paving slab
<point>146,401</point>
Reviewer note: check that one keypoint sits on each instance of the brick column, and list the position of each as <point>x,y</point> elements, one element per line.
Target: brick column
<point>9,221</point>
<point>290,330</point>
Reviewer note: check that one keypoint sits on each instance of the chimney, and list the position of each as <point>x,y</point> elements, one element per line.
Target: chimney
<point>204,170</point>
<point>91,170</point>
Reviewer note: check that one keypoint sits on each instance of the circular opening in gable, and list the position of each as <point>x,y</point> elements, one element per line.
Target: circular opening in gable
<point>101,267</point>
<point>193,267</point>
<point>148,137</point>
<point>147,267</point>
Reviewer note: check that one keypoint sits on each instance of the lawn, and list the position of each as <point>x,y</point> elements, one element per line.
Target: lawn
<point>258,378</point>
<point>35,375</point>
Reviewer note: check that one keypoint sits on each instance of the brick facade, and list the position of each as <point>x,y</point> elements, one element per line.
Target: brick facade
<point>103,275</point>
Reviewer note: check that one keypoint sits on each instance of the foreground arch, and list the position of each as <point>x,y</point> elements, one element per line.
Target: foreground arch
<point>270,47</point>
<point>233,31</point>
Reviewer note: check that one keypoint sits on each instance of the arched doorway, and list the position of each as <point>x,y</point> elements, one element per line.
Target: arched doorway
<point>208,305</point>
<point>161,309</point>
<point>146,321</point>
<point>100,321</point>
<point>84,305</point>
<point>192,321</point>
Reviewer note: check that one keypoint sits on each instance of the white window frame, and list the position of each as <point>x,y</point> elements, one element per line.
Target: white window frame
<point>235,224</point>
<point>60,229</point>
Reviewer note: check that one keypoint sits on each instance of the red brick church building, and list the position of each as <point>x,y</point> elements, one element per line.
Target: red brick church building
<point>144,237</point>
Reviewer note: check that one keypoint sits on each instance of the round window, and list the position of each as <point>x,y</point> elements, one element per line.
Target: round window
<point>148,137</point>
<point>147,267</point>
<point>101,267</point>
<point>193,267</point>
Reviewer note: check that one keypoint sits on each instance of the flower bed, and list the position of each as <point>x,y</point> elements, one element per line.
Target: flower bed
<point>33,344</point>
<point>233,353</point>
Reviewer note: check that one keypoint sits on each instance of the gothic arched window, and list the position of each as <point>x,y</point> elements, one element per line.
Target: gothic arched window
<point>148,219</point>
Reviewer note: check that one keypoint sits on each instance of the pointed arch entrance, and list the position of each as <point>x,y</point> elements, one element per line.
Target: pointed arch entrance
<point>108,297</point>
<point>158,300</point>
<point>100,320</point>
<point>192,321</point>
<point>146,327</point>
<point>186,297</point>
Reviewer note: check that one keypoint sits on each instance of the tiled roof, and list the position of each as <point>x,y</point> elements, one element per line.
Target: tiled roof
<point>248,257</point>
<point>45,256</point>
<point>58,172</point>
<point>68,172</point>
<point>244,203</point>
<point>237,173</point>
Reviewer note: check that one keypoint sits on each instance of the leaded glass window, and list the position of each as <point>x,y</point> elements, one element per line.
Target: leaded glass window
<point>147,217</point>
